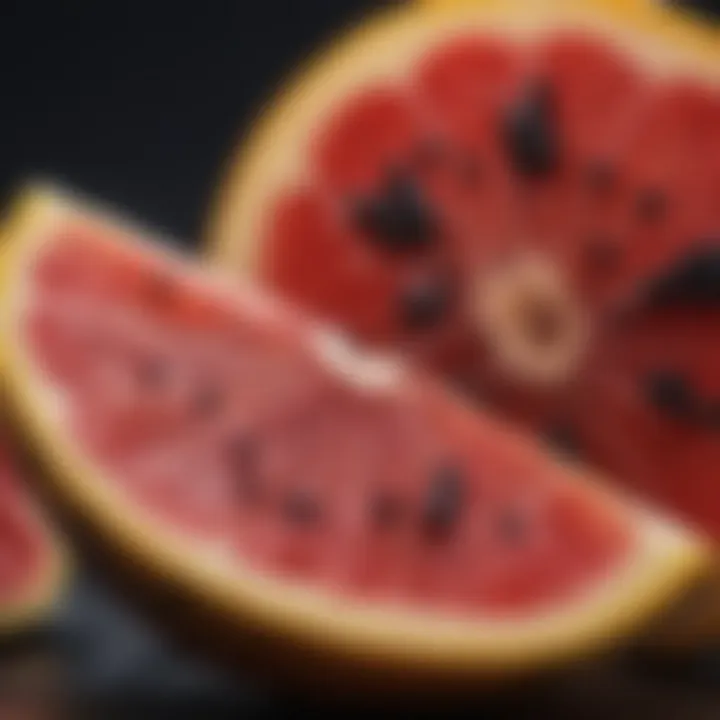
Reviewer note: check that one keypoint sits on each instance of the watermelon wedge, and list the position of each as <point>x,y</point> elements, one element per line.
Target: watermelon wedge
<point>523,197</point>
<point>251,457</point>
<point>33,562</point>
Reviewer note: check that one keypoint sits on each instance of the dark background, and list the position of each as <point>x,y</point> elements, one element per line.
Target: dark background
<point>139,104</point>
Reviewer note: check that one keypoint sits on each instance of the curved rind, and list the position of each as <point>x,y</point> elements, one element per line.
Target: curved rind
<point>682,23</point>
<point>642,26</point>
<point>37,601</point>
<point>668,560</point>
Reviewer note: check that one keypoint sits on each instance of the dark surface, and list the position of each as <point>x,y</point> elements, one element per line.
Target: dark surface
<point>139,105</point>
<point>710,8</point>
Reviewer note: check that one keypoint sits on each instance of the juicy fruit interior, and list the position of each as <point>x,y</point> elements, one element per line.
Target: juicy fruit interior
<point>227,424</point>
<point>490,150</point>
<point>22,534</point>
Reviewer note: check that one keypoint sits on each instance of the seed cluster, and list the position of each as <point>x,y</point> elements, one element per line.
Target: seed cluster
<point>399,217</point>
<point>434,516</point>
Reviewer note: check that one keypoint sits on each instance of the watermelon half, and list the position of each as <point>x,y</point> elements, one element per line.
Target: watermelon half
<point>523,197</point>
<point>255,461</point>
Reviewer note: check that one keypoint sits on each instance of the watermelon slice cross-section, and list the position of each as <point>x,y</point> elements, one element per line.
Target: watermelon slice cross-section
<point>253,458</point>
<point>525,198</point>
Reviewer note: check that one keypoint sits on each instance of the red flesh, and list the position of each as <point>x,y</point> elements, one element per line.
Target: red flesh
<point>22,535</point>
<point>659,135</point>
<point>95,316</point>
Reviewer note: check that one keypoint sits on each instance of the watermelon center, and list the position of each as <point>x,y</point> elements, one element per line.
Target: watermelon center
<point>531,322</point>
<point>428,204</point>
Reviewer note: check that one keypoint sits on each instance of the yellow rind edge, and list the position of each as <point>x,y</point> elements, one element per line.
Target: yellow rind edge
<point>53,577</point>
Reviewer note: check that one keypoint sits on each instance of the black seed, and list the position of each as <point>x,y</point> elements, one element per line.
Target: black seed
<point>443,501</point>
<point>651,205</point>
<point>512,526</point>
<point>693,281</point>
<point>386,511</point>
<point>670,393</point>
<point>600,177</point>
<point>424,303</point>
<point>398,218</point>
<point>563,438</point>
<point>530,132</point>
<point>301,508</point>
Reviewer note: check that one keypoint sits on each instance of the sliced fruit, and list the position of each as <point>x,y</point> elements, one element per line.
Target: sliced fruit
<point>253,458</point>
<point>523,197</point>
<point>33,565</point>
